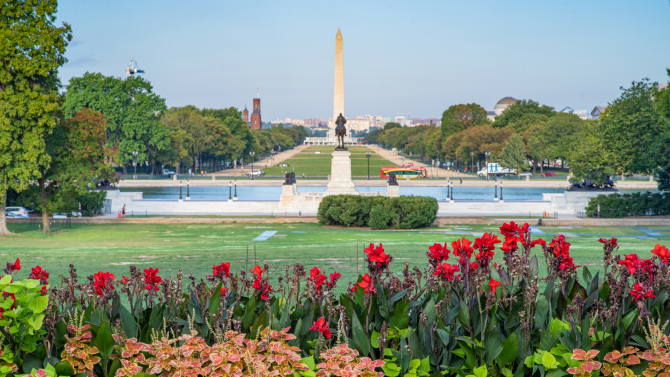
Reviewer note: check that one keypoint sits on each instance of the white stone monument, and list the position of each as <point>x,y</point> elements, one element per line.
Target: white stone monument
<point>340,174</point>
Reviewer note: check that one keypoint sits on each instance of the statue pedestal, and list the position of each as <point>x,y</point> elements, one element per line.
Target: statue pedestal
<point>340,173</point>
<point>392,191</point>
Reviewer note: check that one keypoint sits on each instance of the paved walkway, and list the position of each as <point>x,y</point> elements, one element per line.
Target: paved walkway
<point>261,164</point>
<point>400,160</point>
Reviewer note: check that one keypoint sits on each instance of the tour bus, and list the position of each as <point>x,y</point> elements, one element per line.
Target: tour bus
<point>404,173</point>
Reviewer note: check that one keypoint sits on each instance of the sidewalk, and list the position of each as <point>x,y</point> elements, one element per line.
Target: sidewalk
<point>400,160</point>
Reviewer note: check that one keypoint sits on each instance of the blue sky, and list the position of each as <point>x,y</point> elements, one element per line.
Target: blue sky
<point>399,56</point>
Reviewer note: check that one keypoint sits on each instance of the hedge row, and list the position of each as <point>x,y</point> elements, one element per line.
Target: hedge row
<point>635,204</point>
<point>378,212</point>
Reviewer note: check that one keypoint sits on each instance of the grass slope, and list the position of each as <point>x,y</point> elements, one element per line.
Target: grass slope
<point>195,248</point>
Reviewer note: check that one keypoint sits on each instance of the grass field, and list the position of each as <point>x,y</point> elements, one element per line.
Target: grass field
<point>196,247</point>
<point>319,164</point>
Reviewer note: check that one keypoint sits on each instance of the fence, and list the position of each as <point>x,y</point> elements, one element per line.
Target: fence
<point>35,223</point>
<point>580,214</point>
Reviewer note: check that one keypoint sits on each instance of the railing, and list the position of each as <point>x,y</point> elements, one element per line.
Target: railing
<point>55,225</point>
<point>580,214</point>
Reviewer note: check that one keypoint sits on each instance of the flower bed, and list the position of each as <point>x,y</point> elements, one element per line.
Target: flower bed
<point>460,315</point>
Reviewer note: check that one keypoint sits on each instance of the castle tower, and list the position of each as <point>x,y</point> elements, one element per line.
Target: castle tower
<point>256,114</point>
<point>245,115</point>
<point>338,107</point>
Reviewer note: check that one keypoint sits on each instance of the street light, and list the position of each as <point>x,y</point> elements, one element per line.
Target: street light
<point>135,163</point>
<point>188,191</point>
<point>235,197</point>
<point>487,154</point>
<point>252,164</point>
<point>180,191</point>
<point>367,154</point>
<point>230,189</point>
<point>472,161</point>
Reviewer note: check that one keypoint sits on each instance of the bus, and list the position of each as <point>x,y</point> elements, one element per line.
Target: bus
<point>405,172</point>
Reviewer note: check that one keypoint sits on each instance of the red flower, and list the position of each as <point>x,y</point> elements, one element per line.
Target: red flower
<point>265,292</point>
<point>635,264</point>
<point>567,263</point>
<point>377,255</point>
<point>493,285</point>
<point>639,292</point>
<point>322,327</point>
<point>221,270</point>
<point>445,271</point>
<point>486,242</point>
<point>258,271</point>
<point>474,266</point>
<point>103,282</point>
<point>334,277</point>
<point>317,278</point>
<point>611,241</point>
<point>263,286</point>
<point>38,273</point>
<point>151,279</point>
<point>662,252</point>
<point>258,282</point>
<point>508,246</point>
<point>367,284</point>
<point>513,232</point>
<point>125,280</point>
<point>540,242</point>
<point>559,247</point>
<point>11,267</point>
<point>437,253</point>
<point>223,291</point>
<point>462,249</point>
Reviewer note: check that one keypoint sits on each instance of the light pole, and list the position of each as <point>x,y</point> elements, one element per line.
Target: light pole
<point>252,164</point>
<point>230,191</point>
<point>487,154</point>
<point>188,191</point>
<point>472,161</point>
<point>235,197</point>
<point>501,198</point>
<point>135,163</point>
<point>180,199</point>
<point>367,154</point>
<point>496,194</point>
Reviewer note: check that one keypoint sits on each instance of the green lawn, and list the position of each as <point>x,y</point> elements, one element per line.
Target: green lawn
<point>311,164</point>
<point>196,247</point>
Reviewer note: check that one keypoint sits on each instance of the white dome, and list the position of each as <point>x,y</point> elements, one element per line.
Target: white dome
<point>503,104</point>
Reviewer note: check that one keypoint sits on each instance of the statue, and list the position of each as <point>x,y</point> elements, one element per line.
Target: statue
<point>340,132</point>
<point>104,185</point>
<point>290,178</point>
<point>392,179</point>
<point>589,184</point>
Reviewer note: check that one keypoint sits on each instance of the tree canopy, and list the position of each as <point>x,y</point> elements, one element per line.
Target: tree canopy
<point>517,111</point>
<point>459,117</point>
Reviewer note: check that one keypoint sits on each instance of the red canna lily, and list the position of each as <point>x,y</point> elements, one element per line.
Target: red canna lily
<point>221,270</point>
<point>322,327</point>
<point>367,284</point>
<point>540,242</point>
<point>317,278</point>
<point>103,282</point>
<point>377,255</point>
<point>662,252</point>
<point>445,271</point>
<point>493,285</point>
<point>640,292</point>
<point>258,271</point>
<point>437,253</point>
<point>151,279</point>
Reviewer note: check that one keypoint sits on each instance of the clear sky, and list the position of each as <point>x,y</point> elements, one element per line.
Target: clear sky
<point>415,57</point>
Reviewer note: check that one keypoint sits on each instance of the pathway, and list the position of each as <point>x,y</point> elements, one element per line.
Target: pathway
<point>400,160</point>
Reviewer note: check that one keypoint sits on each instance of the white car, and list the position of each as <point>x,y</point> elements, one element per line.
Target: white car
<point>167,172</point>
<point>17,211</point>
<point>256,173</point>
<point>60,216</point>
<point>316,152</point>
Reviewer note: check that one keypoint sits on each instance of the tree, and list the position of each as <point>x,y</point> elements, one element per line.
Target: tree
<point>516,111</point>
<point>303,133</point>
<point>590,158</point>
<point>633,127</point>
<point>562,133</point>
<point>373,136</point>
<point>391,125</point>
<point>459,117</point>
<point>660,148</point>
<point>78,154</point>
<point>131,109</point>
<point>32,48</point>
<point>513,155</point>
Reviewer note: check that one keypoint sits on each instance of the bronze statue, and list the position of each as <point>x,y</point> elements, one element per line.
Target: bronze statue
<point>392,179</point>
<point>340,132</point>
<point>290,178</point>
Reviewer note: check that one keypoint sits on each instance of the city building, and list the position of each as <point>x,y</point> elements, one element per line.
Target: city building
<point>256,123</point>
<point>500,107</point>
<point>595,113</point>
<point>288,120</point>
<point>428,121</point>
<point>311,122</point>
<point>402,121</point>
<point>277,122</point>
<point>583,114</point>
<point>245,115</point>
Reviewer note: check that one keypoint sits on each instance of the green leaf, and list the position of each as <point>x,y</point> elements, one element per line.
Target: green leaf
<point>481,371</point>
<point>373,338</point>
<point>382,302</point>
<point>391,369</point>
<point>31,362</point>
<point>104,341</point>
<point>529,362</point>
<point>493,345</point>
<point>309,361</point>
<point>464,314</point>
<point>249,313</point>
<point>629,318</point>
<point>257,326</point>
<point>557,372</point>
<point>128,322</point>
<point>215,300</point>
<point>64,369</point>
<point>414,364</point>
<point>38,304</point>
<point>400,315</point>
<point>425,365</point>
<point>507,372</point>
<point>557,326</point>
<point>542,311</point>
<point>509,351</point>
<point>361,341</point>
<point>549,361</point>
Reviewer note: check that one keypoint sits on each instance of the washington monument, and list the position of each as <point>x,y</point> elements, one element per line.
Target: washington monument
<point>338,107</point>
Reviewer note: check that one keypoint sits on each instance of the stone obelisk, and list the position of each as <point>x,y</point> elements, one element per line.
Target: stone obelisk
<point>338,106</point>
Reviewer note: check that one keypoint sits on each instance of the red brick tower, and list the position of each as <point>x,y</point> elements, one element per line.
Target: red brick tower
<point>256,115</point>
<point>245,115</point>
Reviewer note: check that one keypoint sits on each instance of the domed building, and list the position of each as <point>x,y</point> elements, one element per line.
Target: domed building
<point>500,107</point>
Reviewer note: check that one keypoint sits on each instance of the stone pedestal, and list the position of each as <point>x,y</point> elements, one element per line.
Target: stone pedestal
<point>340,173</point>
<point>392,191</point>
<point>287,198</point>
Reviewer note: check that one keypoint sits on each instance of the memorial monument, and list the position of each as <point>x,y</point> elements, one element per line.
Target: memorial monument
<point>340,168</point>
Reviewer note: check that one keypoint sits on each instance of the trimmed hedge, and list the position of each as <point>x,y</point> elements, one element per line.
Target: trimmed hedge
<point>378,212</point>
<point>635,204</point>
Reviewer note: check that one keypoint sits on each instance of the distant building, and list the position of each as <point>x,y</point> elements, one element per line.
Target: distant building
<point>277,121</point>
<point>323,123</point>
<point>288,120</point>
<point>311,122</point>
<point>256,123</point>
<point>595,113</point>
<point>245,115</point>
<point>428,121</point>
<point>298,122</point>
<point>361,123</point>
<point>583,114</point>
<point>500,107</point>
<point>402,121</point>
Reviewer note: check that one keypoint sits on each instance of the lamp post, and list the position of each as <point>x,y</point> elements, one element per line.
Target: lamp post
<point>252,164</point>
<point>501,198</point>
<point>487,154</point>
<point>472,161</point>
<point>448,191</point>
<point>230,191</point>
<point>135,153</point>
<point>180,199</point>
<point>188,191</point>
<point>235,197</point>
<point>452,190</point>
<point>496,187</point>
<point>367,154</point>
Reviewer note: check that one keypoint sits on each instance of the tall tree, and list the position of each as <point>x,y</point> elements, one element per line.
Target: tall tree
<point>589,158</point>
<point>32,48</point>
<point>660,149</point>
<point>78,154</point>
<point>513,155</point>
<point>522,107</point>
<point>131,109</point>
<point>459,117</point>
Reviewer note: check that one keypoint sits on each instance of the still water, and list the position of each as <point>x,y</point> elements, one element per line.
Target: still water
<point>273,193</point>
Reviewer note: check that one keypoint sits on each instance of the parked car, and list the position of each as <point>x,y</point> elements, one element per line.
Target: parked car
<point>60,216</point>
<point>284,165</point>
<point>408,165</point>
<point>168,172</point>
<point>14,215</point>
<point>316,152</point>
<point>527,173</point>
<point>256,173</point>
<point>548,174</point>
<point>17,210</point>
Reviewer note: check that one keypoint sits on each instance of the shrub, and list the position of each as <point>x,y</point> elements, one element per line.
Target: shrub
<point>635,204</point>
<point>378,212</point>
